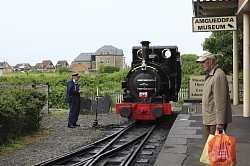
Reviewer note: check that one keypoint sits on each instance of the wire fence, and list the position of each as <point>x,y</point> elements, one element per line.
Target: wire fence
<point>117,97</point>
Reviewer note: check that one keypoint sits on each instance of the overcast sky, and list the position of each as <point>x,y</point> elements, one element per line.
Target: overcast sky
<point>36,30</point>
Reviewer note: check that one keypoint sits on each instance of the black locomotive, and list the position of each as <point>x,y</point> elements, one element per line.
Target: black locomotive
<point>152,82</point>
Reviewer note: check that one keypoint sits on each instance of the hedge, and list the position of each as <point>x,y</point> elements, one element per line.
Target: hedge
<point>20,112</point>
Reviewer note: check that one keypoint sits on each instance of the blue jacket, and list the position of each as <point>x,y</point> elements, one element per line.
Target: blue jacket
<point>72,93</point>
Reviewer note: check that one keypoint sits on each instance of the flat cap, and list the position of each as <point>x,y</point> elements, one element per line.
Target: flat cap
<point>205,56</point>
<point>75,74</point>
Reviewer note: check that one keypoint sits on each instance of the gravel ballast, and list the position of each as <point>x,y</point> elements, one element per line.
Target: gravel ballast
<point>62,139</point>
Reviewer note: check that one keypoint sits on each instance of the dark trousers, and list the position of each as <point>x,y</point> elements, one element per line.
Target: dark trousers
<point>210,129</point>
<point>73,113</point>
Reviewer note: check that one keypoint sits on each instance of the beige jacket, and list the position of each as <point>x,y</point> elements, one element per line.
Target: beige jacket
<point>216,105</point>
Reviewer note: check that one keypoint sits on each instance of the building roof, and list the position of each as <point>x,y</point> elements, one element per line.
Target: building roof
<point>5,65</point>
<point>22,65</point>
<point>39,65</point>
<point>212,8</point>
<point>2,63</point>
<point>109,50</point>
<point>104,50</point>
<point>46,62</point>
<point>62,63</point>
<point>84,57</point>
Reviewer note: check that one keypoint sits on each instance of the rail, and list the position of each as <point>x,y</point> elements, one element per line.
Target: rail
<point>72,156</point>
<point>125,143</point>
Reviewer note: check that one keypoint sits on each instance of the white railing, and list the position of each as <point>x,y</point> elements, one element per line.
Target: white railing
<point>117,97</point>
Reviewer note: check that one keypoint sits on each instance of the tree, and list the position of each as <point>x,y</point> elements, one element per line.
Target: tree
<point>189,67</point>
<point>221,44</point>
<point>63,70</point>
<point>101,68</point>
<point>108,69</point>
<point>111,69</point>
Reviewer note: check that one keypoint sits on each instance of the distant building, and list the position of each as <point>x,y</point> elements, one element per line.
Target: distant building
<point>45,66</point>
<point>39,67</point>
<point>1,70</point>
<point>22,67</point>
<point>6,67</point>
<point>79,68</point>
<point>86,59</point>
<point>107,55</point>
<point>62,63</point>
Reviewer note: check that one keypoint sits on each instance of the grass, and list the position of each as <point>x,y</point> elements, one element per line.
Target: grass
<point>59,113</point>
<point>13,145</point>
<point>18,143</point>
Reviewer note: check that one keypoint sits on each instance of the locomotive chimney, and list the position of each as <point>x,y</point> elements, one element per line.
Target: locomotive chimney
<point>145,51</point>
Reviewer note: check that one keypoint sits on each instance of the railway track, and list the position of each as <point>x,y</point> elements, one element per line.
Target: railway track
<point>134,144</point>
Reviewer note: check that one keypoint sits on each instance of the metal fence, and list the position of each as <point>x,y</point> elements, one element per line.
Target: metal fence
<point>183,94</point>
<point>101,103</point>
<point>117,97</point>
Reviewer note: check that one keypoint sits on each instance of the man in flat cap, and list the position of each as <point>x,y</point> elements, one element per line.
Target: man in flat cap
<point>73,98</point>
<point>216,105</point>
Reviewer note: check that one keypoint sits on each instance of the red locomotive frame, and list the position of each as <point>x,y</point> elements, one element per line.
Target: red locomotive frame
<point>143,111</point>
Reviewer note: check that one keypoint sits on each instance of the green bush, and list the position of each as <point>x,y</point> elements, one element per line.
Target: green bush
<point>111,69</point>
<point>57,92</point>
<point>108,69</point>
<point>62,70</point>
<point>57,97</point>
<point>19,112</point>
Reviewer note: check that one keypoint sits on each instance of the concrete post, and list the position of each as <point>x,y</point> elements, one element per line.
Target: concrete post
<point>246,66</point>
<point>235,69</point>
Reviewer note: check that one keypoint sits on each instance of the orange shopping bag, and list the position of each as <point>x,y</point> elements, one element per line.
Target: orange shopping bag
<point>222,150</point>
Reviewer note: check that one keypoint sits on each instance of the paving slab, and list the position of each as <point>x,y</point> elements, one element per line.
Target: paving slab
<point>185,141</point>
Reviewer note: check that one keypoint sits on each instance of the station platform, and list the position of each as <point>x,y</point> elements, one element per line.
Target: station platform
<point>185,141</point>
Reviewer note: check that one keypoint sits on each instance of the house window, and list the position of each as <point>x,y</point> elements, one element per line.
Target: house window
<point>101,61</point>
<point>108,61</point>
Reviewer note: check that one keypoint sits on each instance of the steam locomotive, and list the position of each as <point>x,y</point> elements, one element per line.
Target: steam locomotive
<point>151,83</point>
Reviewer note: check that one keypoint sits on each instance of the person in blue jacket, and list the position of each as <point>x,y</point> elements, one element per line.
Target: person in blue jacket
<point>73,98</point>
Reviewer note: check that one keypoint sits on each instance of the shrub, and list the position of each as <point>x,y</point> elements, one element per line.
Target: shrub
<point>63,70</point>
<point>108,69</point>
<point>19,112</point>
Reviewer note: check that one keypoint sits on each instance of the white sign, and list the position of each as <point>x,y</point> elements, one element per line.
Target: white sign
<point>205,24</point>
<point>196,84</point>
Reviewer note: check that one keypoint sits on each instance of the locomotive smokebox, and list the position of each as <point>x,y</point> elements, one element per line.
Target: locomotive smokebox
<point>145,51</point>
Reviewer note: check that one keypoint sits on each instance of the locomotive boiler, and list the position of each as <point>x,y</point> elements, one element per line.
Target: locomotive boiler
<point>151,83</point>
